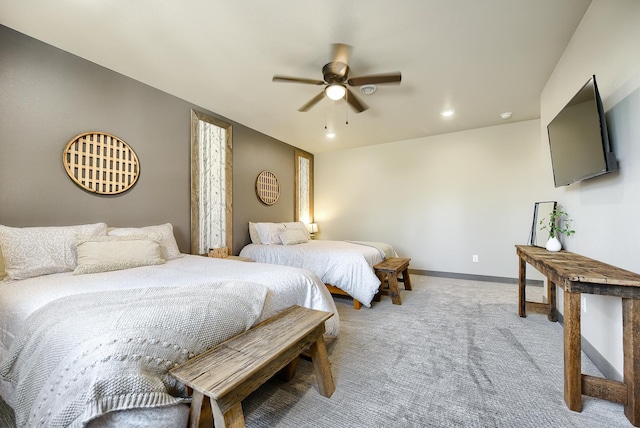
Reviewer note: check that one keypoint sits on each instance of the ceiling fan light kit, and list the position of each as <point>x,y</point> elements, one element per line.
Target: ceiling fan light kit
<point>335,91</point>
<point>336,78</point>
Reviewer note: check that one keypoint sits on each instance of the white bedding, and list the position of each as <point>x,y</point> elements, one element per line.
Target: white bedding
<point>286,287</point>
<point>345,265</point>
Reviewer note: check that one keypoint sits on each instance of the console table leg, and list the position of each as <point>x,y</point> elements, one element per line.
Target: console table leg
<point>551,296</point>
<point>631,349</point>
<point>572,349</point>
<point>522,282</point>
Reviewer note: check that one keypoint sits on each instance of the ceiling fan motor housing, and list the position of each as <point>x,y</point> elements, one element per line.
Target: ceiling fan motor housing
<point>335,72</point>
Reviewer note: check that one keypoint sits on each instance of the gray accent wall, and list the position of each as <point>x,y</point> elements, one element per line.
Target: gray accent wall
<point>255,155</point>
<point>48,96</point>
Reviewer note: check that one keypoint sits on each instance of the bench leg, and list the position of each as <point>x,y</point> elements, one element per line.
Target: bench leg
<point>406,279</point>
<point>356,304</point>
<point>393,289</point>
<point>195,409</point>
<point>322,368</point>
<point>232,418</point>
<point>288,372</point>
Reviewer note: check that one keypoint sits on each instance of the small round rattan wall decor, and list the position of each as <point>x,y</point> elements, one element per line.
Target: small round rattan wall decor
<point>101,163</point>
<point>267,187</point>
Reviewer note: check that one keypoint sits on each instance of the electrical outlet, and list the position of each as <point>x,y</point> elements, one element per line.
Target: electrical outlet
<point>475,258</point>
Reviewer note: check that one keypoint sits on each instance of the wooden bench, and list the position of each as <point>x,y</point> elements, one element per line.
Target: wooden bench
<point>389,269</point>
<point>232,370</point>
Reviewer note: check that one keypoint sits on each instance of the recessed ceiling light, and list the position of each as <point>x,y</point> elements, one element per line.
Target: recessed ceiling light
<point>331,135</point>
<point>506,115</point>
<point>447,113</point>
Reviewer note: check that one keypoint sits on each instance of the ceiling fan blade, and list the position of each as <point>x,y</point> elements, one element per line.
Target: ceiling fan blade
<point>312,102</point>
<point>375,79</point>
<point>341,53</point>
<point>297,80</point>
<point>354,102</point>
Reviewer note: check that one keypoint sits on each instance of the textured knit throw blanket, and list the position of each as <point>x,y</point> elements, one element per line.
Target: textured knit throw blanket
<point>84,355</point>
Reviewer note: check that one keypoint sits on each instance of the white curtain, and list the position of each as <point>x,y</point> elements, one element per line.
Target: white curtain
<point>212,186</point>
<point>303,190</point>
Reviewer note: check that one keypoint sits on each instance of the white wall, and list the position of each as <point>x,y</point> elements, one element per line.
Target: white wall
<point>438,200</point>
<point>441,199</point>
<point>605,209</point>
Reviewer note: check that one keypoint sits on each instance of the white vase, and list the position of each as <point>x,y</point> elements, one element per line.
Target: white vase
<point>553,244</point>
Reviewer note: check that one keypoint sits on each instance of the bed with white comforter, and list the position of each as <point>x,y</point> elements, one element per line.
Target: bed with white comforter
<point>99,320</point>
<point>347,265</point>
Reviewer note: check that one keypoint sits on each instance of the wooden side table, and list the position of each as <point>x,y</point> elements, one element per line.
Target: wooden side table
<point>214,255</point>
<point>577,274</point>
<point>240,259</point>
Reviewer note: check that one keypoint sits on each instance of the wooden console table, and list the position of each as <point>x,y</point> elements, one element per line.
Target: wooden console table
<point>577,274</point>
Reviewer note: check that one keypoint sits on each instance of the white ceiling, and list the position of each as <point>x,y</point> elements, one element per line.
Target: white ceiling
<point>478,57</point>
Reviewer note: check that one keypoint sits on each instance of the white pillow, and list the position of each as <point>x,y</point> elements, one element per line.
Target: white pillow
<point>253,233</point>
<point>293,236</point>
<point>109,253</point>
<point>298,225</point>
<point>269,233</point>
<point>168,244</point>
<point>35,251</point>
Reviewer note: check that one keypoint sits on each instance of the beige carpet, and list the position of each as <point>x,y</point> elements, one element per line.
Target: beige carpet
<point>455,354</point>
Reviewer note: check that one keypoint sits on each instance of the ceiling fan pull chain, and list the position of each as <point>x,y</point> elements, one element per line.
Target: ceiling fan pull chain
<point>325,119</point>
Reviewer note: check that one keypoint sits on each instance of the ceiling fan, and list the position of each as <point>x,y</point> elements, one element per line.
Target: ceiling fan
<point>336,78</point>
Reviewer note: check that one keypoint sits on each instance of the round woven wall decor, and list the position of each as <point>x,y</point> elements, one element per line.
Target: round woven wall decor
<point>267,187</point>
<point>101,163</point>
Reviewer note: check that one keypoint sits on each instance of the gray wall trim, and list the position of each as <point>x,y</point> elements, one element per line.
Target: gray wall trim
<point>473,277</point>
<point>596,357</point>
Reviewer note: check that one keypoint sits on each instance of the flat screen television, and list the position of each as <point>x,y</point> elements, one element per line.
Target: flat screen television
<point>578,139</point>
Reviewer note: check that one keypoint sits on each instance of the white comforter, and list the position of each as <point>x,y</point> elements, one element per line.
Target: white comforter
<point>345,265</point>
<point>286,287</point>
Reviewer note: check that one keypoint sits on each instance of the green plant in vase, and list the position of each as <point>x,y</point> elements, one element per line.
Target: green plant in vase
<point>559,223</point>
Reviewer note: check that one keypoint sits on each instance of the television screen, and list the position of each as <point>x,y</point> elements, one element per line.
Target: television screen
<point>578,139</point>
